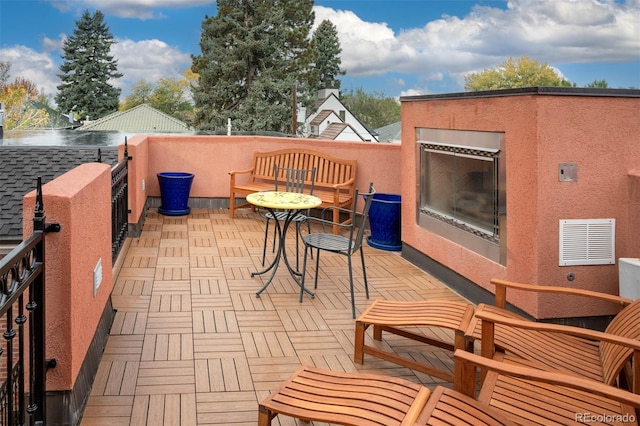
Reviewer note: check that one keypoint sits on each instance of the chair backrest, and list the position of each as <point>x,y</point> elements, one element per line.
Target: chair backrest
<point>359,218</point>
<point>293,180</point>
<point>613,357</point>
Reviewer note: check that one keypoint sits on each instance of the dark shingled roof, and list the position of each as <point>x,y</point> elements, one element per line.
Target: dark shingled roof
<point>20,167</point>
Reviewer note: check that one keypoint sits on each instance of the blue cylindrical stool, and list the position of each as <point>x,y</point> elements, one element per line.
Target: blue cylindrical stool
<point>385,220</point>
<point>174,193</point>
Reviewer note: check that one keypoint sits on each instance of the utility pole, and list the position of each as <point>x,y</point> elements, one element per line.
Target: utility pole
<point>294,119</point>
<point>1,120</point>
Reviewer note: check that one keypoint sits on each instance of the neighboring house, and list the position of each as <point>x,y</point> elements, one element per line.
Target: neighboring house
<point>390,133</point>
<point>142,118</point>
<point>332,120</point>
<point>21,167</point>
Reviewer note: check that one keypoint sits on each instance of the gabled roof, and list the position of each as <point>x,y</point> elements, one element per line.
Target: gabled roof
<point>322,115</point>
<point>21,166</point>
<point>142,118</point>
<point>334,130</point>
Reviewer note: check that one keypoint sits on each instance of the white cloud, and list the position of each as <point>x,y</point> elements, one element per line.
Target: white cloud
<point>146,59</point>
<point>149,60</point>
<point>139,9</point>
<point>35,66</point>
<point>552,31</point>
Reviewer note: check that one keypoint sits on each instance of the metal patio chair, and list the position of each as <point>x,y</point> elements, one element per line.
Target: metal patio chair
<point>338,243</point>
<point>289,180</point>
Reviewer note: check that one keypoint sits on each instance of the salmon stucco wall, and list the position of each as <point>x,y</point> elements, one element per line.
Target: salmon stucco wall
<point>601,134</point>
<point>210,158</point>
<point>80,202</point>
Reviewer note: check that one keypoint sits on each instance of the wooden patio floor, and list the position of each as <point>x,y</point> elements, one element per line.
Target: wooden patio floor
<point>191,343</point>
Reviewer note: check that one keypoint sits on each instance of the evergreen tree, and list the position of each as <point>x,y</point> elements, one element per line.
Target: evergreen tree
<point>327,52</point>
<point>88,69</point>
<point>253,54</point>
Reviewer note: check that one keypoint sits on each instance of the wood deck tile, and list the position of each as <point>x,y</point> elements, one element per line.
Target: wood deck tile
<point>191,344</point>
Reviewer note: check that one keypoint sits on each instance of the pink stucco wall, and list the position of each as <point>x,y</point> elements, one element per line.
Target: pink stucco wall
<point>80,201</point>
<point>210,158</point>
<point>599,133</point>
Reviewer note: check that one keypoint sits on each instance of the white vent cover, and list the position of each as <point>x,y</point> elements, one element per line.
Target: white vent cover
<point>587,242</point>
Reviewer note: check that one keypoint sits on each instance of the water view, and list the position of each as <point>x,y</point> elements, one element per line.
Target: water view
<point>63,138</point>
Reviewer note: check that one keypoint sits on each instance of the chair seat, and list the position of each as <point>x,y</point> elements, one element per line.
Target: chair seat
<point>329,242</point>
<point>282,216</point>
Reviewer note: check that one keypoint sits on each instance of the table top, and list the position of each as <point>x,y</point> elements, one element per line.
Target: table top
<point>283,200</point>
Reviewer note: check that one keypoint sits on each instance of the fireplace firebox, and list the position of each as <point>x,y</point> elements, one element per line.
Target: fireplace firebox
<point>462,188</point>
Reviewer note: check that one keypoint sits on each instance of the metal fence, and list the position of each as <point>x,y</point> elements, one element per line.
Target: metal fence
<point>119,203</point>
<point>22,320</point>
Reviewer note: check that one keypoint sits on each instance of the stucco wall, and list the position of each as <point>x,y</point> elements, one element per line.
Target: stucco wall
<point>210,158</point>
<point>599,133</point>
<point>80,201</point>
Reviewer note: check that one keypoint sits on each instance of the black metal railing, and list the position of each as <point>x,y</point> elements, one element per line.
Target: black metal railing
<point>119,203</point>
<point>22,320</point>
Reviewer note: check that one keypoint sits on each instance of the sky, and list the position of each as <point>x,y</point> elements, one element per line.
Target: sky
<point>391,47</point>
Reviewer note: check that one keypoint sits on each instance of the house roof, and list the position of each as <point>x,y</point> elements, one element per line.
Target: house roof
<point>334,130</point>
<point>322,115</point>
<point>21,166</point>
<point>390,132</point>
<point>142,118</point>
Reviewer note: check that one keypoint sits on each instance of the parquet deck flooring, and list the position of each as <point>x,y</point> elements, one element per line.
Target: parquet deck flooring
<point>191,344</point>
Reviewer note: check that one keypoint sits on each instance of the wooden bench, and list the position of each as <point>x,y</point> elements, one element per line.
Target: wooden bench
<point>334,184</point>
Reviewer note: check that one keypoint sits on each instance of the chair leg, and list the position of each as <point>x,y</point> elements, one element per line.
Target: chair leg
<point>304,272</point>
<point>315,285</point>
<point>353,300</point>
<point>364,274</point>
<point>264,416</point>
<point>264,248</point>
<point>358,349</point>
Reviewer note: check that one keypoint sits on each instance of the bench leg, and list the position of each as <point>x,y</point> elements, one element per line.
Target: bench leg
<point>232,205</point>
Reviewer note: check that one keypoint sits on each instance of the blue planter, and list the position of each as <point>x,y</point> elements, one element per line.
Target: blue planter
<point>174,193</point>
<point>384,221</point>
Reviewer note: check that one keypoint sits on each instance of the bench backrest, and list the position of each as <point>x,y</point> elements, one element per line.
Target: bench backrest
<point>329,170</point>
<point>626,324</point>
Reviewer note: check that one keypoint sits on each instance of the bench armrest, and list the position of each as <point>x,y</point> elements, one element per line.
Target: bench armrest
<point>349,183</point>
<point>239,172</point>
<point>466,364</point>
<point>502,285</point>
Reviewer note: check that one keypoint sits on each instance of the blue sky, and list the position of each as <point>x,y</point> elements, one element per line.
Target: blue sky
<point>394,47</point>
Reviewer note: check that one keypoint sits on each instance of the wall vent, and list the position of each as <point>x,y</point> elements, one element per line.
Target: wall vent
<point>587,242</point>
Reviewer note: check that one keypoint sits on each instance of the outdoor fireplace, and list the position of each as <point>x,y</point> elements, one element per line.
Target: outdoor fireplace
<point>462,188</point>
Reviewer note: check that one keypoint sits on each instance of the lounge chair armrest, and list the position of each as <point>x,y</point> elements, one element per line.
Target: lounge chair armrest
<point>467,363</point>
<point>493,316</point>
<point>502,285</point>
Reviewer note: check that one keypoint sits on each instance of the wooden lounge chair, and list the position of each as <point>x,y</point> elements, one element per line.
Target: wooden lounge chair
<point>313,394</point>
<point>528,395</point>
<point>600,356</point>
<point>399,317</point>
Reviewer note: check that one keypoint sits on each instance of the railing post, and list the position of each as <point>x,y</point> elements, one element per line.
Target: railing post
<point>37,330</point>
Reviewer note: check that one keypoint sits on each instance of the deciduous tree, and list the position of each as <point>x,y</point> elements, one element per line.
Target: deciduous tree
<point>373,109</point>
<point>89,69</point>
<point>514,73</point>
<point>253,53</point>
